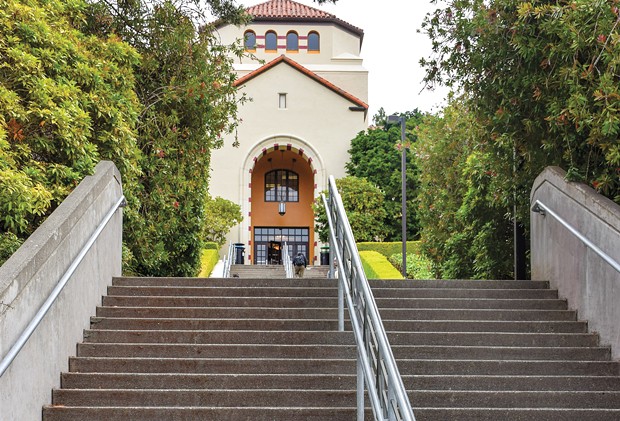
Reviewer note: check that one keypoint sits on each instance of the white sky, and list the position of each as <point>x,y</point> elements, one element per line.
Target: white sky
<point>391,50</point>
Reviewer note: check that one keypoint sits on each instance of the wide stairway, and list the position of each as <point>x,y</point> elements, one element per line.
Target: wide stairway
<point>268,349</point>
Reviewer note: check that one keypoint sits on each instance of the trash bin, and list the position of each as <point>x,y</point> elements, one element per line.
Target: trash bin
<point>239,253</point>
<point>325,255</point>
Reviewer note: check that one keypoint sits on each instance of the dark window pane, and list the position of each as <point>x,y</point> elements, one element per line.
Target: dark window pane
<point>313,42</point>
<point>292,42</point>
<point>250,41</point>
<point>271,41</point>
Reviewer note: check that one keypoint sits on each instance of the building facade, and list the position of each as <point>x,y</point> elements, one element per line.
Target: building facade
<point>308,91</point>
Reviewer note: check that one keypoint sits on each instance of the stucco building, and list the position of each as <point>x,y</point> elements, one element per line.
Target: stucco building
<point>308,100</point>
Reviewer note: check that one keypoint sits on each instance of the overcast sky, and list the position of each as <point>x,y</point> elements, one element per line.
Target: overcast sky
<point>391,50</point>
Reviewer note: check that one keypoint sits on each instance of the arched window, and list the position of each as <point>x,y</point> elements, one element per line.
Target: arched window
<point>271,42</point>
<point>281,186</point>
<point>292,42</point>
<point>314,42</point>
<point>249,43</point>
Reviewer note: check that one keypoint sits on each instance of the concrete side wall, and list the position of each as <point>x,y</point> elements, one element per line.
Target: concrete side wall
<point>590,285</point>
<point>28,277</point>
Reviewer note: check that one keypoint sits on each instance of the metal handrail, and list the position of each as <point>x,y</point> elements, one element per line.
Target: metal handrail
<point>38,317</point>
<point>228,260</point>
<point>376,364</point>
<point>286,261</point>
<point>543,210</point>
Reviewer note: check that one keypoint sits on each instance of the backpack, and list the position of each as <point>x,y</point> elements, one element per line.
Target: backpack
<point>299,260</point>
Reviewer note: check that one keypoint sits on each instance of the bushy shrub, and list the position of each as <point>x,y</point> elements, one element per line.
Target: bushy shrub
<point>389,248</point>
<point>418,266</point>
<point>208,260</point>
<point>211,246</point>
<point>376,266</point>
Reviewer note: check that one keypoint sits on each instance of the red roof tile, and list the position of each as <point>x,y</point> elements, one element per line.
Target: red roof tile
<point>309,73</point>
<point>286,9</point>
<point>293,11</point>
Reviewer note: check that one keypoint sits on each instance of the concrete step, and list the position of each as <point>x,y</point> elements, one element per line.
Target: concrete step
<point>331,382</point>
<point>374,283</point>
<point>329,398</point>
<point>142,350</point>
<point>331,366</point>
<point>308,302</point>
<point>199,397</point>
<point>507,367</point>
<point>516,414</point>
<point>225,282</point>
<point>327,290</point>
<point>62,413</point>
<point>184,350</point>
<point>208,381</point>
<point>424,315</point>
<point>219,337</point>
<point>278,302</point>
<point>172,291</point>
<point>523,383</point>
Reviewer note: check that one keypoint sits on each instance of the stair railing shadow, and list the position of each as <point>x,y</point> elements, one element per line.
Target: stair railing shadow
<point>376,366</point>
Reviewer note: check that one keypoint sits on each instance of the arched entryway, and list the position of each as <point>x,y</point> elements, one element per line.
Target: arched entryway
<point>281,175</point>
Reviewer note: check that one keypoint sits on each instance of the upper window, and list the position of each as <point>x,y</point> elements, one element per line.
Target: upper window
<point>249,43</point>
<point>281,186</point>
<point>271,41</point>
<point>314,42</point>
<point>292,42</point>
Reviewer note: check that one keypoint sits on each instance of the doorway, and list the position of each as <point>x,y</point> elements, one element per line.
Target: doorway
<point>269,242</point>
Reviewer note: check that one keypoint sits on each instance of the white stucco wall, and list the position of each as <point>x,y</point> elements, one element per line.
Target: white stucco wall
<point>316,120</point>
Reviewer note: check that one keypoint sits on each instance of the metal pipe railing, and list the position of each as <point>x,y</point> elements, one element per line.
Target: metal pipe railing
<point>286,261</point>
<point>542,209</point>
<point>376,364</point>
<point>228,259</point>
<point>47,304</point>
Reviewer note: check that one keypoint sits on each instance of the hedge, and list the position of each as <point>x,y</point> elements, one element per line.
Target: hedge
<point>390,248</point>
<point>208,260</point>
<point>377,266</point>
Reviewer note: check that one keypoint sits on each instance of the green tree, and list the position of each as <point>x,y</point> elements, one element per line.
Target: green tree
<point>541,78</point>
<point>465,228</point>
<point>67,101</point>
<point>185,84</point>
<point>220,216</point>
<point>363,203</point>
<point>376,156</point>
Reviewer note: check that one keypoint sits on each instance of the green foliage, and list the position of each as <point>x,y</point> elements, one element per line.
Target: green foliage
<point>211,246</point>
<point>376,266</point>
<point>9,243</point>
<point>185,84</point>
<point>466,232</point>
<point>363,203</point>
<point>220,216</point>
<point>67,101</point>
<point>390,248</point>
<point>208,260</point>
<point>541,79</point>
<point>418,265</point>
<point>376,155</point>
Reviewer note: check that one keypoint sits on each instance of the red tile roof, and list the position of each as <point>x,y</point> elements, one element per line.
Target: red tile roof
<point>290,10</point>
<point>283,59</point>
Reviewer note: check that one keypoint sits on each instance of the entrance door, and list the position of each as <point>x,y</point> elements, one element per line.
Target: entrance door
<point>266,237</point>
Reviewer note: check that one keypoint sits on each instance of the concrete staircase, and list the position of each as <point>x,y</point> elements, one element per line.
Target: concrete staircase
<point>274,271</point>
<point>268,349</point>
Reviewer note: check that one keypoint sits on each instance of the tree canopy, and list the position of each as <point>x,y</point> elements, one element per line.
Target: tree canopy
<point>541,78</point>
<point>363,203</point>
<point>376,155</point>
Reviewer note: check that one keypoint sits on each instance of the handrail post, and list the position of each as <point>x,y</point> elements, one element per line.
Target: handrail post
<point>382,380</point>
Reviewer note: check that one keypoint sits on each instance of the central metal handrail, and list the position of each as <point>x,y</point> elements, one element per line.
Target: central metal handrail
<point>376,366</point>
<point>286,261</point>
<point>228,259</point>
<point>542,209</point>
<point>47,304</point>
